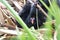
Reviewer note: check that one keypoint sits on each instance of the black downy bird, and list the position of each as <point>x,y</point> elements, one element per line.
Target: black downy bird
<point>28,14</point>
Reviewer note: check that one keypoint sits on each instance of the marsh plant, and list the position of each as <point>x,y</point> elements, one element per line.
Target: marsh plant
<point>52,25</point>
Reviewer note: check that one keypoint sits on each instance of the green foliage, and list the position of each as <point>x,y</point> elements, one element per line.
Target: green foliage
<point>25,36</point>
<point>54,11</point>
<point>13,38</point>
<point>48,33</point>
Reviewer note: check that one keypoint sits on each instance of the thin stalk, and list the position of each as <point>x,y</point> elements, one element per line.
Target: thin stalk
<point>51,6</point>
<point>24,2</point>
<point>37,18</point>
